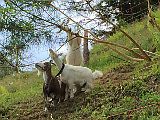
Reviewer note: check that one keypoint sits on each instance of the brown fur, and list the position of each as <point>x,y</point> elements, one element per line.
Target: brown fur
<point>51,86</point>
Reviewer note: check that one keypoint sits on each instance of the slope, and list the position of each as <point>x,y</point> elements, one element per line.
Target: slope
<point>125,85</point>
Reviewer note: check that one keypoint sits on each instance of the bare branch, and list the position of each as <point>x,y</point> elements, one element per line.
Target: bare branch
<point>105,19</point>
<point>100,41</point>
<point>152,16</point>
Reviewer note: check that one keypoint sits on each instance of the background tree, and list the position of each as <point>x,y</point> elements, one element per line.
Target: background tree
<point>131,10</point>
<point>21,29</point>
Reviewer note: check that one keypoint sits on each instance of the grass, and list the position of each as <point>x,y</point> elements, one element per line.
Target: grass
<point>26,86</point>
<point>125,85</point>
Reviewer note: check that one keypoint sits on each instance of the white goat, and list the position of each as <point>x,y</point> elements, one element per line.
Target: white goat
<point>74,54</point>
<point>75,75</point>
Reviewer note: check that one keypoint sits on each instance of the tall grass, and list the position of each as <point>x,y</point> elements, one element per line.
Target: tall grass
<point>20,88</point>
<point>103,58</point>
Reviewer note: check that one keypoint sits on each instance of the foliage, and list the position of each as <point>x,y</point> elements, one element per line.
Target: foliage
<point>17,89</point>
<point>132,10</point>
<point>21,95</point>
<point>153,28</point>
<point>32,22</point>
<point>22,25</point>
<point>103,57</point>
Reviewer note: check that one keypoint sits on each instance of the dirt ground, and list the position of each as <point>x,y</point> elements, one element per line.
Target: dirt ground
<point>34,109</point>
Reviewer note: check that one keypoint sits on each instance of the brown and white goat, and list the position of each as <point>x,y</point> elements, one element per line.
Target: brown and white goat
<point>52,86</point>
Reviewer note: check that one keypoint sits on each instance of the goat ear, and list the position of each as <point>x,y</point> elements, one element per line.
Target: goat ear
<point>69,39</point>
<point>53,64</point>
<point>70,42</point>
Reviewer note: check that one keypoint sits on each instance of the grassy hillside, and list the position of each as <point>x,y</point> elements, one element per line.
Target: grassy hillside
<point>104,58</point>
<point>125,85</point>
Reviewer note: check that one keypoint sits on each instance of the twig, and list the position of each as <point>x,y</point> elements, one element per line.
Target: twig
<point>129,111</point>
<point>152,17</point>
<point>146,56</point>
<point>98,40</point>
<point>148,52</point>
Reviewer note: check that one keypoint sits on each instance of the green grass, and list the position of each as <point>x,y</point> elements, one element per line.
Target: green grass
<point>20,88</point>
<point>104,100</point>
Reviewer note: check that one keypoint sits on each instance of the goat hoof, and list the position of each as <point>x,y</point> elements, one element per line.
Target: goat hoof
<point>46,109</point>
<point>50,100</point>
<point>52,105</point>
<point>88,90</point>
<point>65,99</point>
<point>72,96</point>
<point>83,89</point>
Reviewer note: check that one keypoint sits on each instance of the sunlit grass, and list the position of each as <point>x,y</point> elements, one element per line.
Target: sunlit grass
<point>21,87</point>
<point>28,86</point>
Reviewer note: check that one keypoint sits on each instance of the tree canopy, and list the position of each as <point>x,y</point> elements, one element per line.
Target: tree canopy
<point>23,23</point>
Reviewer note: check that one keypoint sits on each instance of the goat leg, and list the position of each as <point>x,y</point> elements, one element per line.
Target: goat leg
<point>59,100</point>
<point>45,100</point>
<point>52,96</point>
<point>66,93</point>
<point>87,88</point>
<point>71,89</point>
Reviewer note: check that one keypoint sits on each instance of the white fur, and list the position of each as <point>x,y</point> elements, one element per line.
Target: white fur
<point>72,75</point>
<point>97,74</point>
<point>60,83</point>
<point>74,54</point>
<point>39,72</point>
<point>45,76</point>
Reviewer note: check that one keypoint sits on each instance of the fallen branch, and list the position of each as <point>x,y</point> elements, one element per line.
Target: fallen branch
<point>98,40</point>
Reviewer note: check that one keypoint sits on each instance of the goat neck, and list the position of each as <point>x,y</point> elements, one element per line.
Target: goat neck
<point>56,59</point>
<point>47,75</point>
<point>58,62</point>
<point>75,43</point>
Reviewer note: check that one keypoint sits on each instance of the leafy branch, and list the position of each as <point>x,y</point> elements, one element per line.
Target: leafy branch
<point>105,42</point>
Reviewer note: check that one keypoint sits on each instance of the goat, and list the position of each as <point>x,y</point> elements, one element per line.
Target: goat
<point>75,75</point>
<point>74,54</point>
<point>52,87</point>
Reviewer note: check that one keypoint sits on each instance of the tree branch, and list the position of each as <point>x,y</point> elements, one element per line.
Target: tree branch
<point>100,41</point>
<point>146,56</point>
<point>152,16</point>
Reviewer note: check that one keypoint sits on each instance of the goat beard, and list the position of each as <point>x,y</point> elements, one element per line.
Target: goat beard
<point>39,72</point>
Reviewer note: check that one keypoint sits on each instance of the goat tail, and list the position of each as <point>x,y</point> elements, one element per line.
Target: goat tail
<point>97,74</point>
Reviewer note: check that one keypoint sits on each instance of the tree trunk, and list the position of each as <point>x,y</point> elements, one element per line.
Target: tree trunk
<point>85,49</point>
